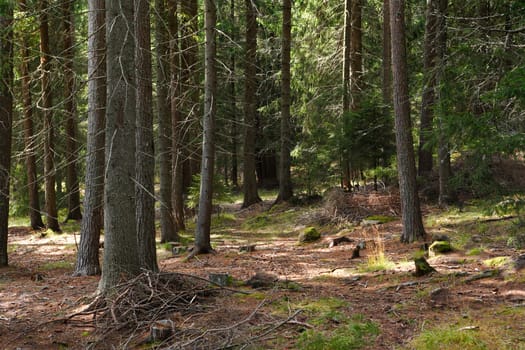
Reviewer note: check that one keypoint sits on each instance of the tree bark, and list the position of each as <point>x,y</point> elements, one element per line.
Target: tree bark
<point>167,224</point>
<point>429,88</point>
<point>6,121</point>
<point>251,195</point>
<point>285,179</point>
<point>177,198</point>
<point>411,213</point>
<point>29,136</point>
<point>233,104</point>
<point>387,60</point>
<point>345,159</point>
<point>70,110</point>
<point>88,253</point>
<point>47,105</point>
<point>202,233</point>
<point>145,158</point>
<point>121,259</point>
<point>356,56</point>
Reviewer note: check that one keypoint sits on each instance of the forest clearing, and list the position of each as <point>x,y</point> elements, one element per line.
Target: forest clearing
<point>309,296</point>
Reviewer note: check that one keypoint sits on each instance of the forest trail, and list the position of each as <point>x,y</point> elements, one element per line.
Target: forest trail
<point>321,287</point>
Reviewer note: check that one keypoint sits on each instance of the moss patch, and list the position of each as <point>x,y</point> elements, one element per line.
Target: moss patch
<point>310,234</point>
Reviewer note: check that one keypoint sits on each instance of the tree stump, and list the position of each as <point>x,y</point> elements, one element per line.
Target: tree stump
<point>161,330</point>
<point>422,267</point>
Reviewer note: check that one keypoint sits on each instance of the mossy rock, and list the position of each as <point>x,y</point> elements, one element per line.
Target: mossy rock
<point>439,247</point>
<point>310,234</point>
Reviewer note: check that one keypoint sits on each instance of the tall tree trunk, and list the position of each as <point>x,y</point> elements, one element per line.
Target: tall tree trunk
<point>251,195</point>
<point>121,259</point>
<point>87,258</point>
<point>202,233</point>
<point>177,146</point>
<point>429,88</point>
<point>285,179</point>
<point>47,105</point>
<point>29,137</point>
<point>70,109</point>
<point>167,224</point>
<point>411,213</point>
<point>145,159</point>
<point>233,104</point>
<point>6,121</point>
<point>445,195</point>
<point>387,60</point>
<point>356,56</point>
<point>345,159</point>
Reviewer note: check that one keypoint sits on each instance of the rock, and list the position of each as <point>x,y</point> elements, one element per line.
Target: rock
<point>439,247</point>
<point>440,296</point>
<point>368,222</point>
<point>247,248</point>
<point>443,238</point>
<point>355,252</point>
<point>476,238</point>
<point>177,250</point>
<point>310,234</point>
<point>262,280</point>
<point>519,262</point>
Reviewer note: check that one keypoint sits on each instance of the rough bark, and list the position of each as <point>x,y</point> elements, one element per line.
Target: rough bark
<point>251,195</point>
<point>6,121</point>
<point>411,213</point>
<point>145,159</point>
<point>70,111</point>
<point>202,233</point>
<point>121,258</point>
<point>46,106</point>
<point>356,56</point>
<point>233,104</point>
<point>429,88</point>
<point>167,224</point>
<point>177,198</point>
<point>387,60</point>
<point>88,253</point>
<point>29,136</point>
<point>285,179</point>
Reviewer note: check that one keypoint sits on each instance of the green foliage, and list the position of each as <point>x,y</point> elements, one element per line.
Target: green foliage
<point>221,193</point>
<point>353,335</point>
<point>448,338</point>
<point>498,261</point>
<point>309,234</point>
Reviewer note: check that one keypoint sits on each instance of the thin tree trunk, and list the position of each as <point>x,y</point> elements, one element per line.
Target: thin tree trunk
<point>356,56</point>
<point>251,195</point>
<point>167,224</point>
<point>46,105</point>
<point>429,88</point>
<point>285,180</point>
<point>145,159</point>
<point>88,253</point>
<point>6,121</point>
<point>121,259</point>
<point>29,137</point>
<point>70,109</point>
<point>202,233</point>
<point>410,208</point>
<point>233,104</point>
<point>345,159</point>
<point>175,90</point>
<point>387,60</point>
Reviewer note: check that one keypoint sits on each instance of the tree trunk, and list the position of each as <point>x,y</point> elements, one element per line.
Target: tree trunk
<point>70,110</point>
<point>87,257</point>
<point>445,195</point>
<point>410,208</point>
<point>202,233</point>
<point>29,137</point>
<point>356,56</point>
<point>177,198</point>
<point>285,179</point>
<point>6,121</point>
<point>233,104</point>
<point>121,259</point>
<point>49,163</point>
<point>345,159</point>
<point>167,224</point>
<point>251,195</point>
<point>145,158</point>
<point>387,60</point>
<point>429,87</point>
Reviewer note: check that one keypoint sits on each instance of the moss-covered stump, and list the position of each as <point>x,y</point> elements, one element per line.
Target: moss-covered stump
<point>310,234</point>
<point>439,247</point>
<point>422,267</point>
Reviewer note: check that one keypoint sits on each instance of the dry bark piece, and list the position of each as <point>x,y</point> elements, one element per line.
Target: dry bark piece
<point>339,240</point>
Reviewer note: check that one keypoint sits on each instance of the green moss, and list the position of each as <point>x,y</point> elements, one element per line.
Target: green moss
<point>448,338</point>
<point>475,251</point>
<point>439,247</point>
<point>310,234</point>
<point>498,261</point>
<point>383,219</point>
<point>57,265</point>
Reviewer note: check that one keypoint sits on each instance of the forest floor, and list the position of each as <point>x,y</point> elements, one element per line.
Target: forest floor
<point>311,296</point>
